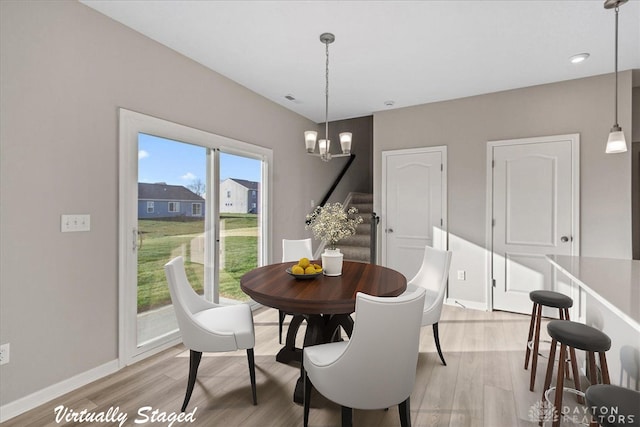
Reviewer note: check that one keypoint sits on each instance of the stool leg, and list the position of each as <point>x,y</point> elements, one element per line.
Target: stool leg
<point>576,373</point>
<point>547,378</point>
<point>593,371</point>
<point>605,369</point>
<point>557,409</point>
<point>536,344</point>
<point>531,324</point>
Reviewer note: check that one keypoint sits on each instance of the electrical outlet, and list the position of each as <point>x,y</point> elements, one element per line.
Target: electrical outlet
<point>462,275</point>
<point>4,354</point>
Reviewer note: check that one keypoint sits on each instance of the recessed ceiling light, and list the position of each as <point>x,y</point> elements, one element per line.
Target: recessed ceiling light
<point>389,103</point>
<point>576,59</point>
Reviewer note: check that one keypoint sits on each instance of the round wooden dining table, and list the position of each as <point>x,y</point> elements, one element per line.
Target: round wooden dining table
<point>323,302</point>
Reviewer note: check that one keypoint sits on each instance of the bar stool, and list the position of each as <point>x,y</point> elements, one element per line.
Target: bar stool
<point>575,336</point>
<point>540,299</point>
<point>613,406</point>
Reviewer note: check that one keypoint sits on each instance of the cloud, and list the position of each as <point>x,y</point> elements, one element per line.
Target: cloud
<point>142,154</point>
<point>188,176</point>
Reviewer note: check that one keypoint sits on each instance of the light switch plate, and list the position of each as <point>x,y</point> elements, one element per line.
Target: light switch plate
<point>75,222</point>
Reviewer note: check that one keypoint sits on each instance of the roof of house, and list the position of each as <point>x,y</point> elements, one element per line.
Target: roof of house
<point>163,191</point>
<point>251,185</point>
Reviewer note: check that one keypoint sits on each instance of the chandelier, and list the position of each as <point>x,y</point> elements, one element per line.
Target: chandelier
<point>311,136</point>
<point>616,142</point>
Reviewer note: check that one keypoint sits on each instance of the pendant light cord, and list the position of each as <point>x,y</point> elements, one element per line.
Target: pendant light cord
<point>616,69</point>
<point>326,94</point>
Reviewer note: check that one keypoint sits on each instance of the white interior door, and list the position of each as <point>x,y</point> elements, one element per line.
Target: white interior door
<point>535,213</point>
<point>413,206</point>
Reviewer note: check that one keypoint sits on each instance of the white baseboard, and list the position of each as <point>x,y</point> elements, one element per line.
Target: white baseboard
<point>47,394</point>
<point>475,305</point>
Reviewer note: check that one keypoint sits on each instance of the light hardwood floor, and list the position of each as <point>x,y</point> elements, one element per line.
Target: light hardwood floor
<point>483,384</point>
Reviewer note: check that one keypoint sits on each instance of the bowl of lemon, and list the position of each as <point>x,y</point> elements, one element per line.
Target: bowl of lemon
<point>304,269</point>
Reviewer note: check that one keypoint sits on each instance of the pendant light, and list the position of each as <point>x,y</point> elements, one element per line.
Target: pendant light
<point>616,142</point>
<point>310,136</point>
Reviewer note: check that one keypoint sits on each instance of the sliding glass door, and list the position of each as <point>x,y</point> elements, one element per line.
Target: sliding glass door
<point>184,193</point>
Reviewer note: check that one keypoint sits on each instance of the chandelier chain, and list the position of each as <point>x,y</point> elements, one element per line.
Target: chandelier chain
<point>326,94</point>
<point>616,70</point>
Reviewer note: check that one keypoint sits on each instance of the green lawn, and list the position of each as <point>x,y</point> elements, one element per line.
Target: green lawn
<point>162,240</point>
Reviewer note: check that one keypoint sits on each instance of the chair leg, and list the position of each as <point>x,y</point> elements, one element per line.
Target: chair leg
<point>194,362</point>
<point>252,374</point>
<point>405,414</point>
<point>437,339</point>
<point>347,417</point>
<point>307,398</point>
<point>281,315</point>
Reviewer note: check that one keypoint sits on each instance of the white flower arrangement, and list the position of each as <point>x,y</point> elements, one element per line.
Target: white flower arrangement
<point>331,223</point>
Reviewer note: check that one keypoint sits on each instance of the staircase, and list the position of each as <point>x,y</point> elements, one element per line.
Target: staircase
<point>358,246</point>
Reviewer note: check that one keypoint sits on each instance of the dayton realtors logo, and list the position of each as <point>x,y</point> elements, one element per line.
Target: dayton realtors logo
<point>543,411</point>
<point>113,416</point>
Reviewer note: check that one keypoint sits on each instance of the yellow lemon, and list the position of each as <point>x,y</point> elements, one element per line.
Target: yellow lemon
<point>296,269</point>
<point>309,270</point>
<point>318,269</point>
<point>304,262</point>
<point>317,266</point>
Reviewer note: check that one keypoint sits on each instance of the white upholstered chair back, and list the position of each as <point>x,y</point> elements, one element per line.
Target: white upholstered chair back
<point>376,368</point>
<point>432,276</point>
<point>293,250</point>
<point>190,311</point>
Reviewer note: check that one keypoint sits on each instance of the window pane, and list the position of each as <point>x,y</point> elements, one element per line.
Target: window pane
<point>168,172</point>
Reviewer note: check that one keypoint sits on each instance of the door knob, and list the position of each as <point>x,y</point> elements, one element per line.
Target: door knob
<point>565,239</point>
<point>389,230</point>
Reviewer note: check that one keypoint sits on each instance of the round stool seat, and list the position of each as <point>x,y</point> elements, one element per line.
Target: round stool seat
<point>551,299</point>
<point>578,335</point>
<point>614,406</point>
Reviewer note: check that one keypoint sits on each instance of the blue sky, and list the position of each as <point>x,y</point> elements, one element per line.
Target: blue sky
<point>164,160</point>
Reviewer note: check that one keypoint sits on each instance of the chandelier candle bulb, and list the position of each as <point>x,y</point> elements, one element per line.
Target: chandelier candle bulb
<point>310,140</point>
<point>323,145</point>
<point>345,142</point>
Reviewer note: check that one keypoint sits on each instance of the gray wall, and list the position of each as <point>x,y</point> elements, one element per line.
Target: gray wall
<point>583,106</point>
<point>65,71</point>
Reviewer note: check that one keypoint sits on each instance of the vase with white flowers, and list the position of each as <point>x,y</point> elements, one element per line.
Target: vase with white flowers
<point>332,223</point>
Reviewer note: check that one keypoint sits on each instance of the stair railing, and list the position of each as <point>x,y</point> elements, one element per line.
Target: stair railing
<point>352,157</point>
<point>373,244</point>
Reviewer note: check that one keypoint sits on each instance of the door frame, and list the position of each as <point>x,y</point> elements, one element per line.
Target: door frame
<point>132,123</point>
<point>442,149</point>
<point>575,202</point>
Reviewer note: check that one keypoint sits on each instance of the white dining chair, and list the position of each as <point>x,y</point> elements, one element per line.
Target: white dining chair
<point>432,276</point>
<point>293,250</point>
<point>208,327</point>
<point>376,367</point>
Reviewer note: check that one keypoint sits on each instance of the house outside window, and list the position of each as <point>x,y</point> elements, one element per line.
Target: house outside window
<point>150,207</point>
<point>196,209</point>
<point>174,206</point>
<point>228,194</point>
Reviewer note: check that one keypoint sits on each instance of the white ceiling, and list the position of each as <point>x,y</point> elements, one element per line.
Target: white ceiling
<point>409,52</point>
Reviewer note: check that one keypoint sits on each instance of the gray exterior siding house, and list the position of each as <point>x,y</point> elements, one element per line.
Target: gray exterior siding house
<point>160,200</point>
